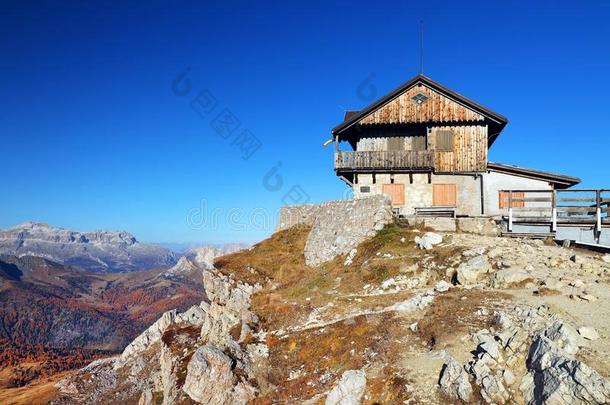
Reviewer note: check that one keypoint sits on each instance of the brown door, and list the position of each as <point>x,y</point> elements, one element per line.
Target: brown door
<point>444,195</point>
<point>396,192</point>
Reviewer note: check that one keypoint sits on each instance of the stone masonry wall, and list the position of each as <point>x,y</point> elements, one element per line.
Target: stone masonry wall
<point>337,226</point>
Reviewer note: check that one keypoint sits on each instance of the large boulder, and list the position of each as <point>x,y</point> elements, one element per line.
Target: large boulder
<point>455,381</point>
<point>349,390</point>
<point>471,272</point>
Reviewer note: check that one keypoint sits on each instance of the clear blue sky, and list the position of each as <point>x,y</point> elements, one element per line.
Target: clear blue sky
<point>93,136</point>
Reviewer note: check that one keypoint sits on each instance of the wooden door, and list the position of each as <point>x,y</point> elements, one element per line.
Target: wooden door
<point>396,192</point>
<point>444,195</point>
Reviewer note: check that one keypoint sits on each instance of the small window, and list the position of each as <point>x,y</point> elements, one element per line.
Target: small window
<point>444,141</point>
<point>419,98</point>
<point>365,189</point>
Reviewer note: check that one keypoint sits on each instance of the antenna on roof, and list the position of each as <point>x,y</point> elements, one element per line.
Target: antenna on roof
<point>421,47</point>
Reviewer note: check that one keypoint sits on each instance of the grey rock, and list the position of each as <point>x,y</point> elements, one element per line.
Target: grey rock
<point>454,381</point>
<point>588,332</point>
<point>428,240</point>
<point>210,379</point>
<point>349,390</point>
<point>471,271</point>
<point>555,377</point>
<point>508,277</point>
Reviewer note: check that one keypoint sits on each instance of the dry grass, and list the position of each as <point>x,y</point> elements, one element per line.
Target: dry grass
<point>454,313</point>
<point>318,357</point>
<point>40,392</point>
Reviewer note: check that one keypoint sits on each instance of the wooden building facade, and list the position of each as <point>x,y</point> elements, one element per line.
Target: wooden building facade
<point>426,146</point>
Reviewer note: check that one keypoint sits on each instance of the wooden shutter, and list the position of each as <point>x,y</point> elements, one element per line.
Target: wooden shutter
<point>503,199</point>
<point>419,143</point>
<point>396,143</point>
<point>396,192</point>
<point>444,140</point>
<point>444,195</point>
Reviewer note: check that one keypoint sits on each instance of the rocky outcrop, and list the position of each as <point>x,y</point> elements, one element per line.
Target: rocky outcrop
<point>93,251</point>
<point>556,377</point>
<point>199,355</point>
<point>550,372</point>
<point>337,227</point>
<point>349,390</point>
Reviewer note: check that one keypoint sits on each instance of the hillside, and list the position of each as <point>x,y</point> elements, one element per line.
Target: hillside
<point>55,317</point>
<point>405,317</point>
<point>99,251</point>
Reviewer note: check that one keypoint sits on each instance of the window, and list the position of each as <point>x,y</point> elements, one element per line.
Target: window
<point>419,98</point>
<point>444,195</point>
<point>444,140</point>
<point>503,199</point>
<point>365,189</point>
<point>396,192</point>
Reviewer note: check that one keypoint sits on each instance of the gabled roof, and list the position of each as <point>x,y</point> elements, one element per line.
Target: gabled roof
<point>352,117</point>
<point>559,180</point>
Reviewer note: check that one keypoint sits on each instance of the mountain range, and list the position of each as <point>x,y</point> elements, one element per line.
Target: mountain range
<point>98,251</point>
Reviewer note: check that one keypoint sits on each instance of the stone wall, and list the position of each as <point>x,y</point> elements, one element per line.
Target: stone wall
<point>337,226</point>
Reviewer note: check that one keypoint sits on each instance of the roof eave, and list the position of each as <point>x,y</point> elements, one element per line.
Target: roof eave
<point>498,118</point>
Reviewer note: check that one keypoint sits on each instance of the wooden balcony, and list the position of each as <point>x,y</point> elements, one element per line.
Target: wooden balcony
<point>380,160</point>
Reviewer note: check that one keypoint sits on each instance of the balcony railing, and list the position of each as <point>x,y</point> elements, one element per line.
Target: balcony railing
<point>403,159</point>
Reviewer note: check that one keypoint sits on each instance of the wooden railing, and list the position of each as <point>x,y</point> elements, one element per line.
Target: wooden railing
<point>384,160</point>
<point>586,207</point>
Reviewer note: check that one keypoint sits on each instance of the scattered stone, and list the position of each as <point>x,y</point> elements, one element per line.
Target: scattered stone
<point>606,258</point>
<point>470,271</point>
<point>428,241</point>
<point>349,390</point>
<point>442,286</point>
<point>455,381</point>
<point>413,327</point>
<point>577,283</point>
<point>587,297</point>
<point>473,252</point>
<point>576,259</point>
<point>509,377</point>
<point>588,332</point>
<point>350,257</point>
<point>507,277</point>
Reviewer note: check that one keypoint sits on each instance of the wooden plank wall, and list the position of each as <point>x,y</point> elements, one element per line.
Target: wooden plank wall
<point>469,149</point>
<point>438,108</point>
